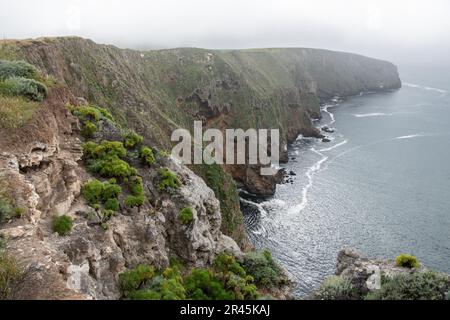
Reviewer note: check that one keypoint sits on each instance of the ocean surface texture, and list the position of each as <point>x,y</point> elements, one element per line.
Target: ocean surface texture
<point>382,186</point>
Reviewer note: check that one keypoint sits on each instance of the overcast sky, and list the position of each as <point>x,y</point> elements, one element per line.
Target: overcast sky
<point>409,30</point>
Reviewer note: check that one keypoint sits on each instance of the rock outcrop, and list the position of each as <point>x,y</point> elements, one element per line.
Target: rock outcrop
<point>40,163</point>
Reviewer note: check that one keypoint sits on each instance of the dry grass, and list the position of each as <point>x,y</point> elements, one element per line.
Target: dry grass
<point>15,111</point>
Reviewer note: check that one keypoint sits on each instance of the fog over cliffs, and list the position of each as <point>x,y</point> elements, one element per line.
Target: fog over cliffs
<point>411,33</point>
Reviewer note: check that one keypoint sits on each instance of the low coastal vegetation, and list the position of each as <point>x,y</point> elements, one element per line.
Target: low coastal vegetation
<point>417,284</point>
<point>62,225</point>
<point>186,215</point>
<point>115,160</point>
<point>19,78</point>
<point>21,88</point>
<point>226,279</point>
<point>407,261</point>
<point>10,271</point>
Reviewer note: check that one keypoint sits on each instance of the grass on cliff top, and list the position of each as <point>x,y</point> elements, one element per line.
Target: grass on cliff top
<point>15,111</point>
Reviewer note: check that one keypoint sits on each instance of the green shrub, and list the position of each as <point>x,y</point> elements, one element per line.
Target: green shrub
<point>336,288</point>
<point>18,212</point>
<point>132,139</point>
<point>92,191</point>
<point>427,285</point>
<point>261,266</point>
<point>96,192</point>
<point>29,88</point>
<point>105,149</point>
<point>87,113</point>
<point>9,69</point>
<point>104,159</point>
<point>134,201</point>
<point>169,180</point>
<point>112,167</point>
<point>137,197</point>
<point>5,209</point>
<point>132,280</point>
<point>111,190</point>
<point>147,156</point>
<point>407,261</point>
<point>10,274</point>
<point>186,215</point>
<point>136,186</point>
<point>226,263</point>
<point>62,225</point>
<point>112,204</point>
<point>105,113</point>
<point>89,129</point>
<point>200,284</point>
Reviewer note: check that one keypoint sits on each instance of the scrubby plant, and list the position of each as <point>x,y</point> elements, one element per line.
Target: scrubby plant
<point>105,113</point>
<point>168,180</point>
<point>427,285</point>
<point>201,284</point>
<point>134,201</point>
<point>132,280</point>
<point>62,225</point>
<point>10,273</point>
<point>96,192</point>
<point>137,197</point>
<point>407,261</point>
<point>261,266</point>
<point>105,159</point>
<point>92,150</point>
<point>18,212</point>
<point>112,204</point>
<point>336,288</point>
<point>88,130</point>
<point>29,88</point>
<point>186,215</point>
<point>147,155</point>
<point>226,280</point>
<point>112,167</point>
<point>5,208</point>
<point>87,113</point>
<point>132,139</point>
<point>9,69</point>
<point>16,111</point>
<point>92,191</point>
<point>225,263</point>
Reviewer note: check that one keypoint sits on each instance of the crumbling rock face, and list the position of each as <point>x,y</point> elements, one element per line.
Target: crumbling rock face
<point>45,174</point>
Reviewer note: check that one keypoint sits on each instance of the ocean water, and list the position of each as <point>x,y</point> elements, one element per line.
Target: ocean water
<point>382,186</point>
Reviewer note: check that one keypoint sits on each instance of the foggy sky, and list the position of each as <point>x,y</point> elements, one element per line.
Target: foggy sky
<point>398,30</point>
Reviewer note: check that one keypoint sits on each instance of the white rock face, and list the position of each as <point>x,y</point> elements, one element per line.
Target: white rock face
<point>45,174</point>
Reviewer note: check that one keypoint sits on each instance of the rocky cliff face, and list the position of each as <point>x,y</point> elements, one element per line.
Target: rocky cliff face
<point>157,91</point>
<point>41,165</point>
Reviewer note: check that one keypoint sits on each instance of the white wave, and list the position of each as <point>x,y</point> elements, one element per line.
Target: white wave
<point>412,85</point>
<point>335,146</point>
<point>310,176</point>
<point>274,203</point>
<point>410,136</point>
<point>375,114</point>
<point>325,109</point>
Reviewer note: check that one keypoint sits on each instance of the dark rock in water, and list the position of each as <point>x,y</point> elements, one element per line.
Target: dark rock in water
<point>292,158</point>
<point>292,173</point>
<point>326,140</point>
<point>327,129</point>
